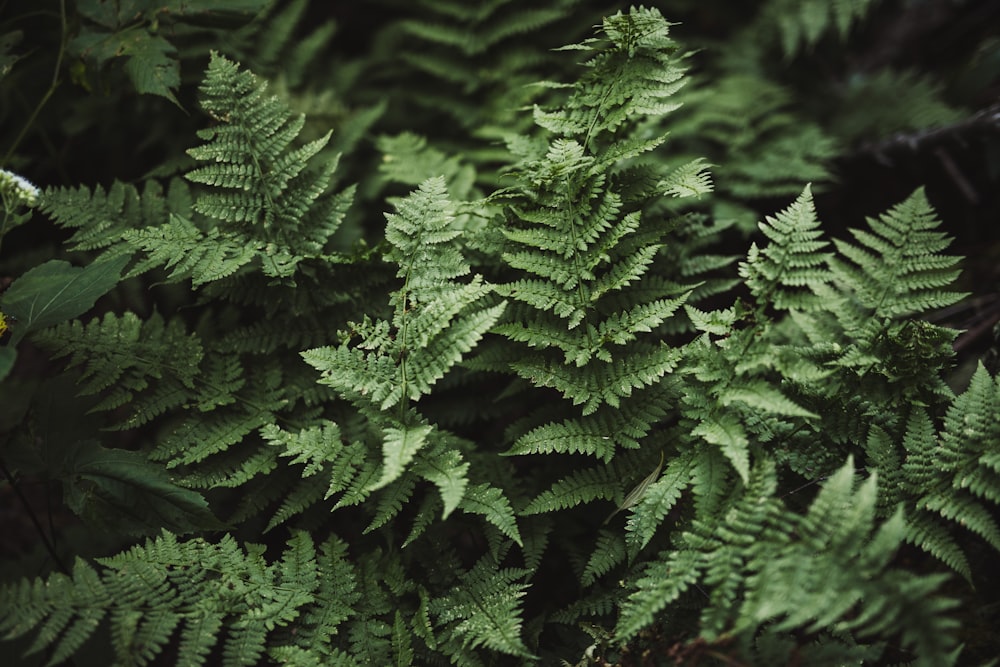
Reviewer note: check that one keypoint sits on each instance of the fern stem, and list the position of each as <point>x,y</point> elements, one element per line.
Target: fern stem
<point>48,93</point>
<point>49,546</point>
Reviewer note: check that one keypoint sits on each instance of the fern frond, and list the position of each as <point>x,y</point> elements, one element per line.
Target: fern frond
<point>266,202</point>
<point>596,385</point>
<point>609,552</point>
<point>688,180</point>
<point>953,475</point>
<point>123,356</point>
<point>101,217</point>
<point>579,487</point>
<point>484,608</point>
<point>787,272</point>
<point>436,319</point>
<point>663,581</point>
<point>656,501</point>
<point>601,433</point>
<point>150,591</point>
<point>182,247</point>
<point>491,503</point>
<point>898,269</point>
<point>801,23</point>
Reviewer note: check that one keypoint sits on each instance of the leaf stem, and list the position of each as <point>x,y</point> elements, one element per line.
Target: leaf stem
<point>48,93</point>
<point>49,546</point>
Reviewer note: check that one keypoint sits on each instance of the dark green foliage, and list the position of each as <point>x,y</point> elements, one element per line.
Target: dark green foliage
<point>551,406</point>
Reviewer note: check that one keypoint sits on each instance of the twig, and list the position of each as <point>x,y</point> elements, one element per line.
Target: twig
<point>49,546</point>
<point>917,140</point>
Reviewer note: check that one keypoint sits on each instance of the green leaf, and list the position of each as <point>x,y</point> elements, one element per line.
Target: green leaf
<point>728,433</point>
<point>8,41</point>
<point>126,491</point>
<point>152,66</point>
<point>56,291</point>
<point>399,448</point>
<point>8,355</point>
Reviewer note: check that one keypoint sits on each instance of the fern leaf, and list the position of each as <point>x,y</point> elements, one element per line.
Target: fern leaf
<point>726,431</point>
<point>663,582</point>
<point>180,246</point>
<point>436,319</point>
<point>657,500</point>
<point>609,552</point>
<point>448,472</point>
<point>491,503</point>
<point>483,610</point>
<point>125,355</point>
<point>398,449</point>
<point>897,268</point>
<point>789,270</point>
<point>579,487</point>
<point>688,180</point>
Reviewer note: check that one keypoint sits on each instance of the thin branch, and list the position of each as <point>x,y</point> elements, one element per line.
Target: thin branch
<point>917,140</point>
<point>49,546</point>
<point>48,93</point>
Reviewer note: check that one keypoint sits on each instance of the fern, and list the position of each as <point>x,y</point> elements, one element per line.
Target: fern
<point>793,591</point>
<point>127,356</point>
<point>150,591</point>
<point>952,475</point>
<point>483,609</point>
<point>581,250</point>
<point>791,261</point>
<point>267,203</point>
<point>801,23</point>
<point>546,413</point>
<point>431,312</point>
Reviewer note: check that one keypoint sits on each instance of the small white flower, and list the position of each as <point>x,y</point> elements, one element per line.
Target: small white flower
<point>23,190</point>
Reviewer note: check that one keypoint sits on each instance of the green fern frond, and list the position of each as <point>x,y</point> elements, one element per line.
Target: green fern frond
<point>898,269</point>
<point>599,434</point>
<point>688,180</point>
<point>274,41</point>
<point>609,552</point>
<point>953,476</point>
<point>662,583</point>
<point>196,588</point>
<point>656,500</point>
<point>265,201</point>
<point>635,74</point>
<point>595,385</point>
<point>760,144</point>
<point>123,356</point>
<point>787,272</point>
<point>484,608</point>
<point>899,101</point>
<point>579,487</point>
<point>839,527</point>
<point>491,503</point>
<point>436,319</point>
<point>766,570</point>
<point>101,217</point>
<point>801,23</point>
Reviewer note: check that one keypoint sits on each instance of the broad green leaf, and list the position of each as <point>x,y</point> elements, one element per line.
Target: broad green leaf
<point>57,291</point>
<point>8,355</point>
<point>129,493</point>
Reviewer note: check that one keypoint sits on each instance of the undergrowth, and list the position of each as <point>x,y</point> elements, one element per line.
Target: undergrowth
<point>521,394</point>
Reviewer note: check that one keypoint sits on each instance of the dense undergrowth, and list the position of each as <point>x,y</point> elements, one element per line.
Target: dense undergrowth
<point>494,333</point>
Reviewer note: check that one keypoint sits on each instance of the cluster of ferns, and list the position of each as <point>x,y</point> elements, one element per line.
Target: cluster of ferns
<point>536,418</point>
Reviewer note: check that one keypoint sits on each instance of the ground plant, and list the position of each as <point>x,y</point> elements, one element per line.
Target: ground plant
<point>497,333</point>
